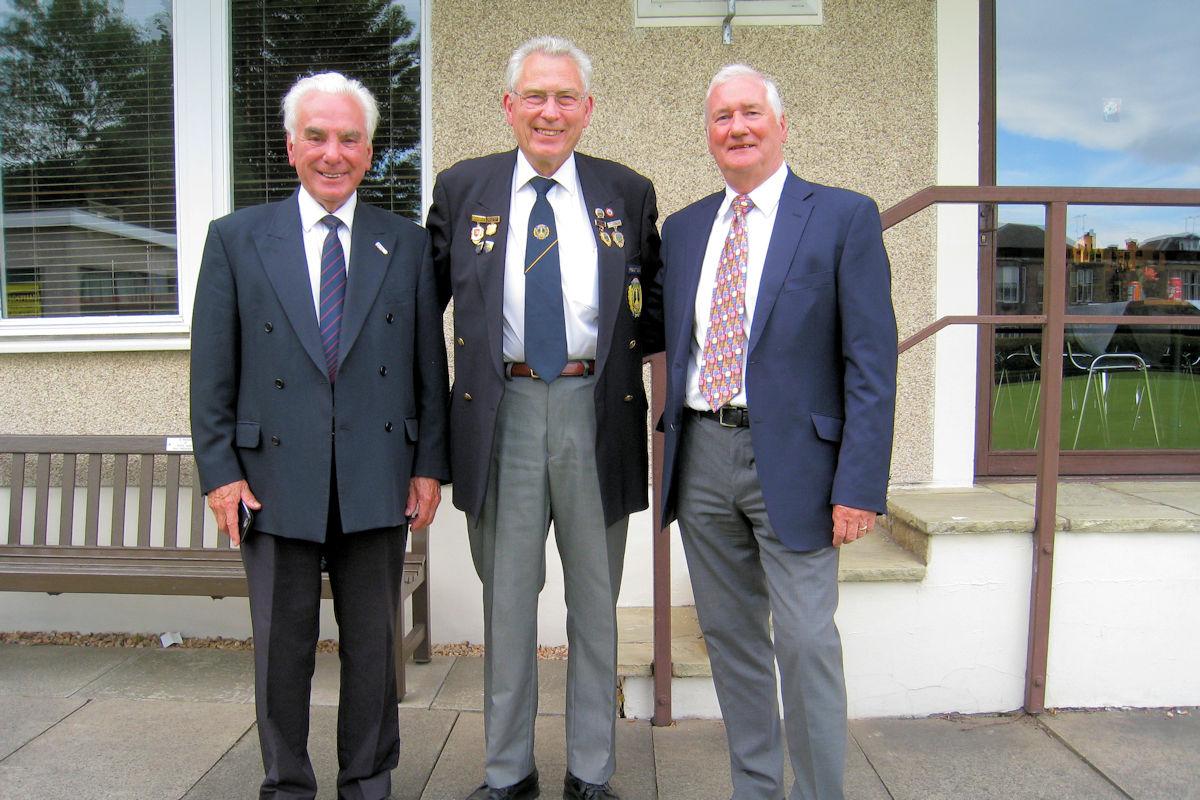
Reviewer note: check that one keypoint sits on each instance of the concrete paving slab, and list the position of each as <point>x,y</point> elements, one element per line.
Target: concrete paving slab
<point>462,689</point>
<point>692,761</point>
<point>426,680</point>
<point>203,676</point>
<point>635,645</point>
<point>48,670</point>
<point>1183,495</point>
<point>118,749</point>
<point>970,510</point>
<point>1096,508</point>
<point>422,736</point>
<point>26,717</point>
<point>326,680</point>
<point>982,758</point>
<point>460,768</point>
<point>1150,754</point>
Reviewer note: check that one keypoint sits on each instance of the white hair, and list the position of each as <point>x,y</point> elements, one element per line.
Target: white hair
<point>329,83</point>
<point>731,72</point>
<point>549,46</point>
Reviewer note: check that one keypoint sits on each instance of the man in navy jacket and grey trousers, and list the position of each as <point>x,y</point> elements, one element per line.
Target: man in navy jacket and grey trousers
<point>319,399</point>
<point>781,365</point>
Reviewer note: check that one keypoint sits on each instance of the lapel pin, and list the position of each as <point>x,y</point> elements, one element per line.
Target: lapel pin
<point>381,248</point>
<point>476,234</point>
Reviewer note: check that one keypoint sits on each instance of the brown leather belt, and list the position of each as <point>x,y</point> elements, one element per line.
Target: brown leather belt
<point>573,369</point>
<point>728,416</point>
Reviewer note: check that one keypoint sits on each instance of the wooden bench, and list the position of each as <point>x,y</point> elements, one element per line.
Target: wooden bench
<point>151,538</point>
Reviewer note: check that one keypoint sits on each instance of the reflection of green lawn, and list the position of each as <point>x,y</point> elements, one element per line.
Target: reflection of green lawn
<point>1176,406</point>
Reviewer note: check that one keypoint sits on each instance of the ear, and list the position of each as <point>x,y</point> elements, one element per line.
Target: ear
<point>291,149</point>
<point>784,127</point>
<point>507,102</point>
<point>589,105</point>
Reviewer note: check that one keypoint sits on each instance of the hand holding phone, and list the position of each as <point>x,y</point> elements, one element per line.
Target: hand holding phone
<point>245,520</point>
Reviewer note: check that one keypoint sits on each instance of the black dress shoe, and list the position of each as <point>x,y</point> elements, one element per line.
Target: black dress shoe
<point>524,789</point>
<point>575,789</point>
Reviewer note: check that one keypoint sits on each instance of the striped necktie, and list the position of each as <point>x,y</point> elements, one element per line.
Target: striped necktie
<point>333,294</point>
<point>545,326</point>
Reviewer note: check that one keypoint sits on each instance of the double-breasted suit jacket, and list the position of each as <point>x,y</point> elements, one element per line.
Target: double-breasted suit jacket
<point>263,407</point>
<point>474,191</point>
<point>821,365</point>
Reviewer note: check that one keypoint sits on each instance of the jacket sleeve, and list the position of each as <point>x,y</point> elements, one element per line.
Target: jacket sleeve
<point>868,335</point>
<point>215,364</point>
<point>430,381</point>
<point>651,320</point>
<point>441,234</point>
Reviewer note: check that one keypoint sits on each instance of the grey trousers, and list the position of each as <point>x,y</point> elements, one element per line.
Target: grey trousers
<point>544,469</point>
<point>744,579</point>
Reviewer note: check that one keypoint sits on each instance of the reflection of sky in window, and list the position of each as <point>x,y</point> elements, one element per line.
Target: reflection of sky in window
<point>1058,65</point>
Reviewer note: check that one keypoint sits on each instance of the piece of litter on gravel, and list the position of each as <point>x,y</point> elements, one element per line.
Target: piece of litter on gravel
<point>171,637</point>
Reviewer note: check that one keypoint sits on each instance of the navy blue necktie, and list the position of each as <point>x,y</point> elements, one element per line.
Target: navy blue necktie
<point>545,328</point>
<point>333,294</point>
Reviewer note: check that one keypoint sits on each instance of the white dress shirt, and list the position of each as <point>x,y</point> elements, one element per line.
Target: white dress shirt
<point>760,221</point>
<point>576,259</point>
<point>311,214</point>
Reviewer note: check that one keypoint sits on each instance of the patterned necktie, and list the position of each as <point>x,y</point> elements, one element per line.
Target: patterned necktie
<point>545,328</point>
<point>721,364</point>
<point>333,294</point>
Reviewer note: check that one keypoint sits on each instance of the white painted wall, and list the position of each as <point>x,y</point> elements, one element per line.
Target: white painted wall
<point>957,248</point>
<point>1125,620</point>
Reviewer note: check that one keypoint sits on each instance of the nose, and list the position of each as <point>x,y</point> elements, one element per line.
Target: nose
<point>739,127</point>
<point>331,150</point>
<point>551,109</point>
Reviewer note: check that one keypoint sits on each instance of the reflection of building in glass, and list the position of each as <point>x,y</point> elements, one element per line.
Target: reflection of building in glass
<point>72,262</point>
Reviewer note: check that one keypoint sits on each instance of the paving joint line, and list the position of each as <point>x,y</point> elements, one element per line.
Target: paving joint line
<point>1053,734</point>
<point>887,790</point>
<point>86,702</point>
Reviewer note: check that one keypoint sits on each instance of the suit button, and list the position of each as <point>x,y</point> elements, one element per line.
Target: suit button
<point>628,398</point>
<point>460,341</point>
<point>387,426</point>
<point>467,396</point>
<point>275,441</point>
<point>383,370</point>
<point>632,343</point>
<point>268,327</point>
<point>279,383</point>
<point>390,318</point>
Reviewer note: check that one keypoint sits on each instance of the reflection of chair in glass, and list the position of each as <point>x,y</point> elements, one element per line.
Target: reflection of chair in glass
<point>1099,372</point>
<point>1079,360</point>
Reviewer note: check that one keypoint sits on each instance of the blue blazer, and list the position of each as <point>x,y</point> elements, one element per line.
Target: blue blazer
<point>821,365</point>
<point>262,405</point>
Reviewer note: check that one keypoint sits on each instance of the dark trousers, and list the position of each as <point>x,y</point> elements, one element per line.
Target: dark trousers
<point>284,575</point>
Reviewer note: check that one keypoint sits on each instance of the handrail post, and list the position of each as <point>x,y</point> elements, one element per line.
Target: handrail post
<point>1045,505</point>
<point>663,668</point>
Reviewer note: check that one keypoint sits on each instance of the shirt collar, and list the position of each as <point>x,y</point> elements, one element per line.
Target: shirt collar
<point>765,196</point>
<point>564,176</point>
<point>312,212</point>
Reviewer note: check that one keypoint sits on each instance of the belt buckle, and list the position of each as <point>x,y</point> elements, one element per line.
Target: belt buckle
<point>721,417</point>
<point>533,373</point>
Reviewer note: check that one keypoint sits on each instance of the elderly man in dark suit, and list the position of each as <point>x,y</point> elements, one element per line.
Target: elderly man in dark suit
<point>548,254</point>
<point>318,402</point>
<point>781,363</point>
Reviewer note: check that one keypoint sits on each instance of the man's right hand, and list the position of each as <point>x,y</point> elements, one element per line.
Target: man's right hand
<point>224,504</point>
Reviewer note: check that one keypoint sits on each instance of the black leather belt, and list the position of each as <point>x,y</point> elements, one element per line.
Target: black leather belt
<point>573,369</point>
<point>727,416</point>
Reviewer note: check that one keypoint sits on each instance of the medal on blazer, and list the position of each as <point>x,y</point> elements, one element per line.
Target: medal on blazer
<point>483,226</point>
<point>633,292</point>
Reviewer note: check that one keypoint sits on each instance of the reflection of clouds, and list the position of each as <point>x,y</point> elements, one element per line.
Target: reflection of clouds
<point>1059,61</point>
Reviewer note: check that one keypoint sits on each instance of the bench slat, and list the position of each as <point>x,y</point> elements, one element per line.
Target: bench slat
<point>66,508</point>
<point>145,500</point>
<point>120,479</point>
<point>171,511</point>
<point>196,535</point>
<point>41,512</point>
<point>16,498</point>
<point>92,498</point>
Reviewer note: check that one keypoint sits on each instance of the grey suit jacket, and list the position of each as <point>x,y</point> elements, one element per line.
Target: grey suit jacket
<point>262,406</point>
<point>628,282</point>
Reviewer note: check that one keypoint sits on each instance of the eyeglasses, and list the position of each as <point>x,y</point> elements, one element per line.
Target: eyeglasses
<point>566,101</point>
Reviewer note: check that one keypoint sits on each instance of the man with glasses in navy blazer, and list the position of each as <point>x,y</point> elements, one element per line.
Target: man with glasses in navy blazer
<point>781,364</point>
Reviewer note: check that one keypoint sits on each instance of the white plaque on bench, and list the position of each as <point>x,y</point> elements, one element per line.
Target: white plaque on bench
<point>179,444</point>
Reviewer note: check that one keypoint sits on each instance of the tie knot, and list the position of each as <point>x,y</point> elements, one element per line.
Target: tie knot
<point>742,203</point>
<point>541,185</point>
<point>331,222</point>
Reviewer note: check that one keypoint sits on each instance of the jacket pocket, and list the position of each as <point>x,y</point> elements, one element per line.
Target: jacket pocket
<point>410,429</point>
<point>247,434</point>
<point>828,428</point>
<point>809,281</point>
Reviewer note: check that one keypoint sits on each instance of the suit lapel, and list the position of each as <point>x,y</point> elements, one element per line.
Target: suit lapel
<point>281,249</point>
<point>610,259</point>
<point>367,269</point>
<point>790,220</point>
<point>494,200</point>
<point>701,223</point>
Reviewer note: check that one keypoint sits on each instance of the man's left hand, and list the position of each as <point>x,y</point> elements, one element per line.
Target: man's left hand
<point>850,524</point>
<point>424,494</point>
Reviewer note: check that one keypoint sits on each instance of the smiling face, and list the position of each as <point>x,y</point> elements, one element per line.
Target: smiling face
<point>330,149</point>
<point>744,135</point>
<point>547,135</point>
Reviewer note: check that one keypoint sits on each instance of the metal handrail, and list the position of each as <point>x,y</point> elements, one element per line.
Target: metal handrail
<point>1053,323</point>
